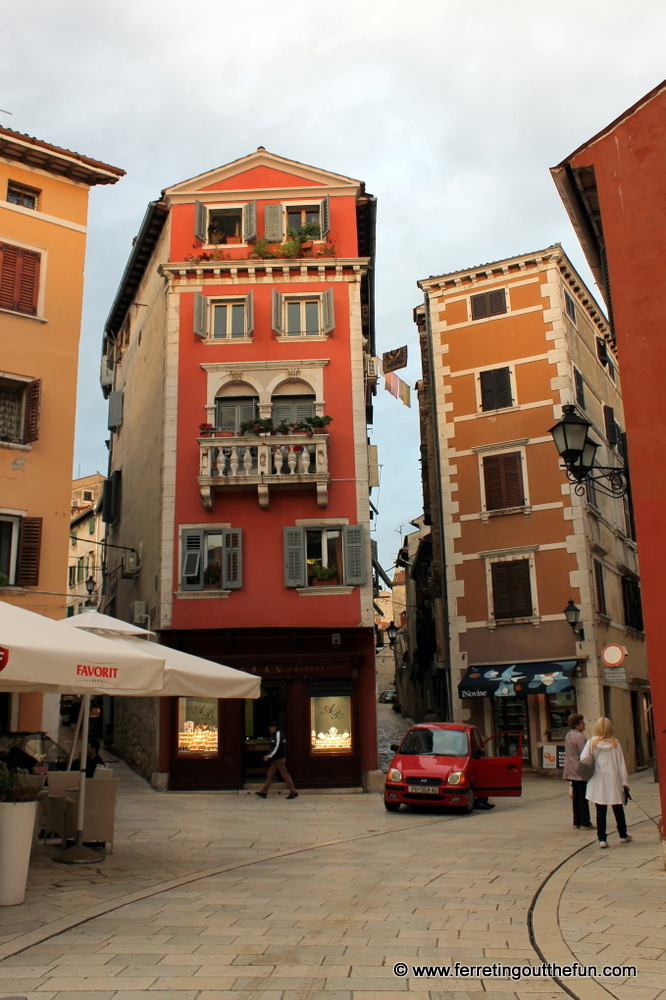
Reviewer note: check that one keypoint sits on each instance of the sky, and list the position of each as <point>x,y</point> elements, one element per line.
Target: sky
<point>451,112</point>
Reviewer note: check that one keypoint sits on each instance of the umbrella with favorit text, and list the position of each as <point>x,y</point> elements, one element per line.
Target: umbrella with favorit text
<point>37,654</point>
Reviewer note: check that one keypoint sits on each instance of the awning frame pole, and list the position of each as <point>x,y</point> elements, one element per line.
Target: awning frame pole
<point>85,709</point>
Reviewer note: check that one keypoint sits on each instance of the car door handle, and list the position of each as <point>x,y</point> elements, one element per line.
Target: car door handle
<point>511,767</point>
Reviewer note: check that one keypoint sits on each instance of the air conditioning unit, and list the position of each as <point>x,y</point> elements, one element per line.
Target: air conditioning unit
<point>130,565</point>
<point>370,366</point>
<point>138,612</point>
<point>76,503</point>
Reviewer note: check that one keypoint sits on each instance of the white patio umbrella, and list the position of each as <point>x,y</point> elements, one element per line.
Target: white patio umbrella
<point>37,654</point>
<point>185,675</point>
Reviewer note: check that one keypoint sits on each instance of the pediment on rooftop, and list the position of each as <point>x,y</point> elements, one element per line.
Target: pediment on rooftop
<point>263,173</point>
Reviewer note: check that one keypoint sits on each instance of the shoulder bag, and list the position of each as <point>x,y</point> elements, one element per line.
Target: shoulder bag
<point>585,768</point>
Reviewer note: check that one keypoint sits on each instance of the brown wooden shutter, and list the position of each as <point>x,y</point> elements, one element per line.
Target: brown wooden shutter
<point>501,590</point>
<point>496,389</point>
<point>19,279</point>
<point>8,268</point>
<point>30,541</point>
<point>27,282</point>
<point>492,474</point>
<point>512,593</point>
<point>521,591</point>
<point>631,597</point>
<point>513,480</point>
<point>33,397</point>
<point>599,586</point>
<point>580,388</point>
<point>503,477</point>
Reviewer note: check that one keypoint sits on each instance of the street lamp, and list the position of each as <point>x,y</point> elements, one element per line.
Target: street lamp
<point>572,615</point>
<point>392,633</point>
<point>577,450</point>
<point>90,587</point>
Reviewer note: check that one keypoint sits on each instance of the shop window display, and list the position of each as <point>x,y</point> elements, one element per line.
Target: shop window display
<point>331,724</point>
<point>197,727</point>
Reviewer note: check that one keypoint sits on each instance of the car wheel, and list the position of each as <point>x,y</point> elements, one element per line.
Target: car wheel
<point>469,803</point>
<point>391,807</point>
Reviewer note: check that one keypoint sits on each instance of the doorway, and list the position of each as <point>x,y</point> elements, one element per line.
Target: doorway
<point>270,706</point>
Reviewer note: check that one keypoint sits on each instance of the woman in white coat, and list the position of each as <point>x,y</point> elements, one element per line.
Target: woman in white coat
<point>607,785</point>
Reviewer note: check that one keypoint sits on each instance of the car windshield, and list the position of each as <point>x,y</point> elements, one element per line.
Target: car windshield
<point>439,742</point>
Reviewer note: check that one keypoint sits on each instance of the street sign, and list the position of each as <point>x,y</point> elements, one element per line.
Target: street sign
<point>613,655</point>
<point>615,674</point>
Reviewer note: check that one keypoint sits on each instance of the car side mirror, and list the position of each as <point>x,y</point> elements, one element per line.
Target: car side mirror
<point>394,747</point>
<point>478,753</point>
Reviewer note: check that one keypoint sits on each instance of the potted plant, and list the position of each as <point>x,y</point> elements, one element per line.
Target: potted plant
<point>307,233</point>
<point>4,580</point>
<point>319,424</point>
<point>212,577</point>
<point>17,821</point>
<point>206,430</point>
<point>324,576</point>
<point>215,236</point>
<point>284,427</point>
<point>263,426</point>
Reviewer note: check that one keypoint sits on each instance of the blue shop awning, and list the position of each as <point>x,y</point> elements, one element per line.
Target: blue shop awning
<point>517,679</point>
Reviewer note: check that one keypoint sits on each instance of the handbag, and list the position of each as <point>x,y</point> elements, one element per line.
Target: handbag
<point>585,768</point>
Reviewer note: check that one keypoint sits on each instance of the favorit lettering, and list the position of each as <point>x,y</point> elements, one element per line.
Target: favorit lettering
<point>83,670</point>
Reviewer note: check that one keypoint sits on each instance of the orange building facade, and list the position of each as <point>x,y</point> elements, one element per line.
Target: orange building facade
<point>509,343</point>
<point>614,190</point>
<point>43,213</point>
<point>242,323</point>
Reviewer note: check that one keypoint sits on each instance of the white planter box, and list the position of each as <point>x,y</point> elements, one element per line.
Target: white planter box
<point>17,821</point>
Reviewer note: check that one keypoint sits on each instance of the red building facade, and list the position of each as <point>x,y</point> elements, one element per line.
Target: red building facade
<point>614,189</point>
<point>242,324</point>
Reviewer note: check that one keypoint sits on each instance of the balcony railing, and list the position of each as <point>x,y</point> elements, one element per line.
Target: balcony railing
<point>267,462</point>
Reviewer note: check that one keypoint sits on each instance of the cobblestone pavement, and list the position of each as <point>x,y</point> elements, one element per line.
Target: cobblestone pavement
<point>225,897</point>
<point>391,727</point>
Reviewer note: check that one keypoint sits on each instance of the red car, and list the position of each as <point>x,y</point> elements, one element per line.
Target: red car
<point>447,764</point>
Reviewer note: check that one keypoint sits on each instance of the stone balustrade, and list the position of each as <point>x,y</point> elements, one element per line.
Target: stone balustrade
<point>264,462</point>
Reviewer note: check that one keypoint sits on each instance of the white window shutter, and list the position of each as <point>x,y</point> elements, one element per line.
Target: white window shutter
<point>273,222</point>
<point>325,217</point>
<point>277,312</point>
<point>249,314</point>
<point>232,564</point>
<point>115,410</point>
<point>328,309</point>
<point>354,554</point>
<point>249,221</point>
<point>192,546</point>
<point>200,219</point>
<point>200,304</point>
<point>294,557</point>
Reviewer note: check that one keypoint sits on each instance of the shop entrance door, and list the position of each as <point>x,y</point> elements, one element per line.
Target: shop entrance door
<point>270,706</point>
<point>511,714</point>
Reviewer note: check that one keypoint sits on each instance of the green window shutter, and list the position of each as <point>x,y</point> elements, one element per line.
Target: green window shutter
<point>303,411</point>
<point>328,310</point>
<point>249,314</point>
<point>200,325</point>
<point>249,221</point>
<point>192,545</point>
<point>294,557</point>
<point>232,559</point>
<point>282,411</point>
<point>579,387</point>
<point>115,410</point>
<point>354,553</point>
<point>325,217</point>
<point>273,222</point>
<point>200,218</point>
<point>276,312</point>
<point>33,396</point>
<point>611,426</point>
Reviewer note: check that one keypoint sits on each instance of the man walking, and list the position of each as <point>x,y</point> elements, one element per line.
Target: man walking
<point>278,762</point>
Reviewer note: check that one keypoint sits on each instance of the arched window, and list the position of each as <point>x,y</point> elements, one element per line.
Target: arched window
<point>292,401</point>
<point>233,405</point>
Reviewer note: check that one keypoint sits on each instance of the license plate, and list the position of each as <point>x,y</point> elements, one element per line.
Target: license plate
<point>424,789</point>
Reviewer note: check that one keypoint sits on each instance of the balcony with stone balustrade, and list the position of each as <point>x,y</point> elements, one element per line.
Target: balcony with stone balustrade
<point>264,462</point>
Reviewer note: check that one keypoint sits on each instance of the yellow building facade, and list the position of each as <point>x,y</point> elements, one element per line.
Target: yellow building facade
<point>43,216</point>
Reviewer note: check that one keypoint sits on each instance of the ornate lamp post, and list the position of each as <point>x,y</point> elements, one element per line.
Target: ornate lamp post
<point>577,450</point>
<point>572,615</point>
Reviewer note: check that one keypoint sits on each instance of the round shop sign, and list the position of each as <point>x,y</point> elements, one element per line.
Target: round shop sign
<point>4,657</point>
<point>613,655</point>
